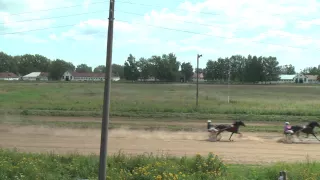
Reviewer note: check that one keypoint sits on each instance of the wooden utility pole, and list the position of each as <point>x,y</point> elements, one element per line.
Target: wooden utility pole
<point>106,99</point>
<point>197,95</point>
<point>229,81</point>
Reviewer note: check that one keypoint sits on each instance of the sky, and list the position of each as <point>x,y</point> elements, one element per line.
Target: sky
<point>76,30</point>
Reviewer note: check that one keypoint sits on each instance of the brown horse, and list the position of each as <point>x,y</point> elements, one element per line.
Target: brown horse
<point>234,128</point>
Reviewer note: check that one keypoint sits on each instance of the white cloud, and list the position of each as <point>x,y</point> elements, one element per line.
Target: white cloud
<point>36,5</point>
<point>230,25</point>
<point>15,24</point>
<point>53,37</point>
<point>86,4</point>
<point>92,28</point>
<point>307,24</point>
<point>26,38</point>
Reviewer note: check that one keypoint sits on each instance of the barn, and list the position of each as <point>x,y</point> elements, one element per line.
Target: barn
<point>36,76</point>
<point>76,76</point>
<point>8,76</point>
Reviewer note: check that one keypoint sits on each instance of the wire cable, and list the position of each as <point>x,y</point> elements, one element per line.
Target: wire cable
<point>142,15</point>
<point>54,17</point>
<point>58,8</point>
<point>142,4</point>
<point>161,27</point>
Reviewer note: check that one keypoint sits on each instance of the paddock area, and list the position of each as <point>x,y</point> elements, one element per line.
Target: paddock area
<point>251,148</point>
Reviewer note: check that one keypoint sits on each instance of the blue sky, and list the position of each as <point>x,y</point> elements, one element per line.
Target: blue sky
<point>285,29</point>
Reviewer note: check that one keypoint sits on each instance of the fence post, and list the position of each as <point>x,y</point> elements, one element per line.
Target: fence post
<point>283,175</point>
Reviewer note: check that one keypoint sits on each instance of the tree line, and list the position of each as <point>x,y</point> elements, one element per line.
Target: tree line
<point>166,67</point>
<point>236,68</point>
<point>25,64</point>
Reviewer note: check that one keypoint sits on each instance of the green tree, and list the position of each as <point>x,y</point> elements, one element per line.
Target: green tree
<point>58,67</point>
<point>118,70</point>
<point>287,69</point>
<point>145,68</point>
<point>187,71</point>
<point>272,69</point>
<point>5,60</point>
<point>131,71</point>
<point>32,63</point>
<point>311,71</point>
<point>200,70</point>
<point>100,69</point>
<point>83,68</point>
<point>210,73</point>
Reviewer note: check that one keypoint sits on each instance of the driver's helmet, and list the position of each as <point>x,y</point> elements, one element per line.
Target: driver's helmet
<point>209,121</point>
<point>286,123</point>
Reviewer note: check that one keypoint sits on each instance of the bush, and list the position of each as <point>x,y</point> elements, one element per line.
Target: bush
<point>23,166</point>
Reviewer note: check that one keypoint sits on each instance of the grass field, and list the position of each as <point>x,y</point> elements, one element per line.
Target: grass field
<point>248,102</point>
<point>37,117</point>
<point>15,165</point>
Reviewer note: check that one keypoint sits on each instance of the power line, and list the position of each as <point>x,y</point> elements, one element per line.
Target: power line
<point>209,25</point>
<point>40,29</point>
<point>160,27</point>
<point>147,5</point>
<point>63,7</point>
<point>137,14</point>
<point>192,32</point>
<point>55,17</point>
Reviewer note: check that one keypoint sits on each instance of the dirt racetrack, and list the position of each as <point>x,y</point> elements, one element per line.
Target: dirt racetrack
<point>252,148</point>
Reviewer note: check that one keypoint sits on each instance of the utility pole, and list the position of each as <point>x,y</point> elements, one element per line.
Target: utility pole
<point>229,81</point>
<point>197,96</point>
<point>106,99</point>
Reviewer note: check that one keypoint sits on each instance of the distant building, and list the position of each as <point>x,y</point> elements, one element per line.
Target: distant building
<point>313,79</point>
<point>301,78</point>
<point>7,76</point>
<point>287,78</point>
<point>75,76</point>
<point>200,77</point>
<point>36,76</point>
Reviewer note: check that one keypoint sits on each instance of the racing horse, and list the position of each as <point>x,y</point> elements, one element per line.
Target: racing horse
<point>234,128</point>
<point>308,129</point>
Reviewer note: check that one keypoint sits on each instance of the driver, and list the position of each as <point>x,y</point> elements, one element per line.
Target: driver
<point>287,128</point>
<point>210,127</point>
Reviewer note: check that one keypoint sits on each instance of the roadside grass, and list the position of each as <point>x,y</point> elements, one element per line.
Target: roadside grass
<point>30,166</point>
<point>273,102</point>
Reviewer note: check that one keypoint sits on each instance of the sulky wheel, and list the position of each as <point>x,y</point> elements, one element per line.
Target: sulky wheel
<point>218,137</point>
<point>289,138</point>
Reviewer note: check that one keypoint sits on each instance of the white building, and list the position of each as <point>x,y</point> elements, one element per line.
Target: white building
<point>75,76</point>
<point>6,76</point>
<point>301,78</point>
<point>312,79</point>
<point>286,78</point>
<point>36,76</point>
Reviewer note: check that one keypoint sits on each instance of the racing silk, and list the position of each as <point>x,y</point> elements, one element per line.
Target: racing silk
<point>287,127</point>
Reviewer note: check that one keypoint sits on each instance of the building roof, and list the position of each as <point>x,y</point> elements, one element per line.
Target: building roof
<point>37,74</point>
<point>8,75</point>
<point>312,77</point>
<point>287,76</point>
<point>77,74</point>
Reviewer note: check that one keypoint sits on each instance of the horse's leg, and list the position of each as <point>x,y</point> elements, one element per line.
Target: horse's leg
<point>298,136</point>
<point>230,137</point>
<point>315,136</point>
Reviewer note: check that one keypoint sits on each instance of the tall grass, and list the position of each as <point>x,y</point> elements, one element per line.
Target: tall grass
<point>15,165</point>
<point>18,166</point>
